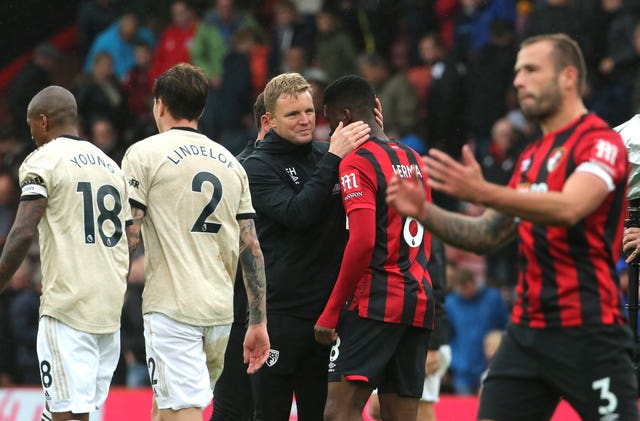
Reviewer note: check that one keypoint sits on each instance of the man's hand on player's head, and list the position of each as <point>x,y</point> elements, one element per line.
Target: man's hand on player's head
<point>347,138</point>
<point>377,111</point>
<point>256,346</point>
<point>459,179</point>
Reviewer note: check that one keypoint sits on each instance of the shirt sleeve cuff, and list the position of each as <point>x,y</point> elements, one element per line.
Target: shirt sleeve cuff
<point>598,171</point>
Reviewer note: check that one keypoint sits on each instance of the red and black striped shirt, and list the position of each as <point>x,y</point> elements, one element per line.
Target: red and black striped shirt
<point>396,286</point>
<point>567,275</point>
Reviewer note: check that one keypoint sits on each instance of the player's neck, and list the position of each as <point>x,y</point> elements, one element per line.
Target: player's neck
<point>376,131</point>
<point>70,130</point>
<point>169,123</point>
<point>568,112</point>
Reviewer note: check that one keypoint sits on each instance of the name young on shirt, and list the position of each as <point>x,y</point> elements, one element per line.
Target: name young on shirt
<point>84,159</point>
<point>186,151</point>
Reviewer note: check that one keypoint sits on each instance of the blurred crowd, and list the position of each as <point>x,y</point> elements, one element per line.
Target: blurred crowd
<point>443,70</point>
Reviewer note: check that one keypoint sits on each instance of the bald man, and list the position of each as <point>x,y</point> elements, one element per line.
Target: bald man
<point>75,196</point>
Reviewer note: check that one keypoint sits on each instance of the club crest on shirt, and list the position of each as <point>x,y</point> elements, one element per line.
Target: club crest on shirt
<point>291,171</point>
<point>274,354</point>
<point>554,158</point>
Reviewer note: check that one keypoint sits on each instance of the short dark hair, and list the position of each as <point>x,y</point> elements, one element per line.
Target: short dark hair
<point>566,52</point>
<point>259,109</point>
<point>183,90</point>
<point>351,92</point>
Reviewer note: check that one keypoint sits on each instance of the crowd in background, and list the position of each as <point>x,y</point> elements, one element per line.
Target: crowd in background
<point>443,70</point>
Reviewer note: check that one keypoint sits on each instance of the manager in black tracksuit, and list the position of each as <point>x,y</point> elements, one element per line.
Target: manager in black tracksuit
<point>301,227</point>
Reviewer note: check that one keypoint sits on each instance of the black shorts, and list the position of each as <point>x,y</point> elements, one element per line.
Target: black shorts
<point>388,356</point>
<point>590,367</point>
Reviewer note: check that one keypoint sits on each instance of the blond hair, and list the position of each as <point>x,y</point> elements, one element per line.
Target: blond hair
<point>290,84</point>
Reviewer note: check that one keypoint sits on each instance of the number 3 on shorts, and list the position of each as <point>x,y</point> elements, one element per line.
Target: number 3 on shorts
<point>606,395</point>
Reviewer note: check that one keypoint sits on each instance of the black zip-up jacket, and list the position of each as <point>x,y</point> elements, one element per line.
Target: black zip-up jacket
<point>300,222</point>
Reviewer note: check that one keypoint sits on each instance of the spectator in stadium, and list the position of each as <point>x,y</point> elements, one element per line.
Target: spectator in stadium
<point>334,51</point>
<point>119,41</point>
<point>233,399</point>
<point>212,42</point>
<point>300,222</point>
<point>24,322</point>
<point>100,95</point>
<point>611,98</point>
<point>395,92</point>
<point>78,330</point>
<point>137,88</point>
<point>380,338</point>
<point>473,310</point>
<point>106,137</point>
<point>489,78</point>
<point>287,34</point>
<point>497,167</point>
<point>34,76</point>
<point>173,44</point>
<point>191,199</point>
<point>94,16</point>
<point>568,191</point>
<point>236,93</point>
<point>445,97</point>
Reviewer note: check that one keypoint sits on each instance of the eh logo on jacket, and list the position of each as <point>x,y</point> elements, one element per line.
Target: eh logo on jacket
<point>293,174</point>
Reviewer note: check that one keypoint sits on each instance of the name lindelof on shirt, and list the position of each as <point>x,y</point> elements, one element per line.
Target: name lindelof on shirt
<point>186,151</point>
<point>85,159</point>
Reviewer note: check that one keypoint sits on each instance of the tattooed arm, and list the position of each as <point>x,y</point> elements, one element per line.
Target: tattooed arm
<point>133,229</point>
<point>20,237</point>
<point>256,342</point>
<point>481,234</point>
<point>252,263</point>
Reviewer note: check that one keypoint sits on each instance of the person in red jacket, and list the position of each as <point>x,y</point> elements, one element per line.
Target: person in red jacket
<point>173,46</point>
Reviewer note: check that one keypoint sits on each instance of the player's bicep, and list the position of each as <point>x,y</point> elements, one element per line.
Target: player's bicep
<point>585,191</point>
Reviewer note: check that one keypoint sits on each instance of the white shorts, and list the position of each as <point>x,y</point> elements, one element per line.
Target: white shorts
<point>75,367</point>
<point>431,389</point>
<point>184,361</point>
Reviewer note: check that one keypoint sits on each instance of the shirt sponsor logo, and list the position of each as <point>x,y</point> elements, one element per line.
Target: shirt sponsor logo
<point>274,354</point>
<point>134,183</point>
<point>349,182</point>
<point>606,151</point>
<point>353,195</point>
<point>535,187</point>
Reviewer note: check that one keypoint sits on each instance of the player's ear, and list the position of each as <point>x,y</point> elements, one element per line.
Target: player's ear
<point>348,117</point>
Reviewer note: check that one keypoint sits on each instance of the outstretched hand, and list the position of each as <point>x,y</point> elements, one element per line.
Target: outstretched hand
<point>347,138</point>
<point>255,348</point>
<point>463,179</point>
<point>407,196</point>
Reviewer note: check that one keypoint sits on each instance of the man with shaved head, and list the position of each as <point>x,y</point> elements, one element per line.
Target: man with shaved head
<point>75,196</point>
